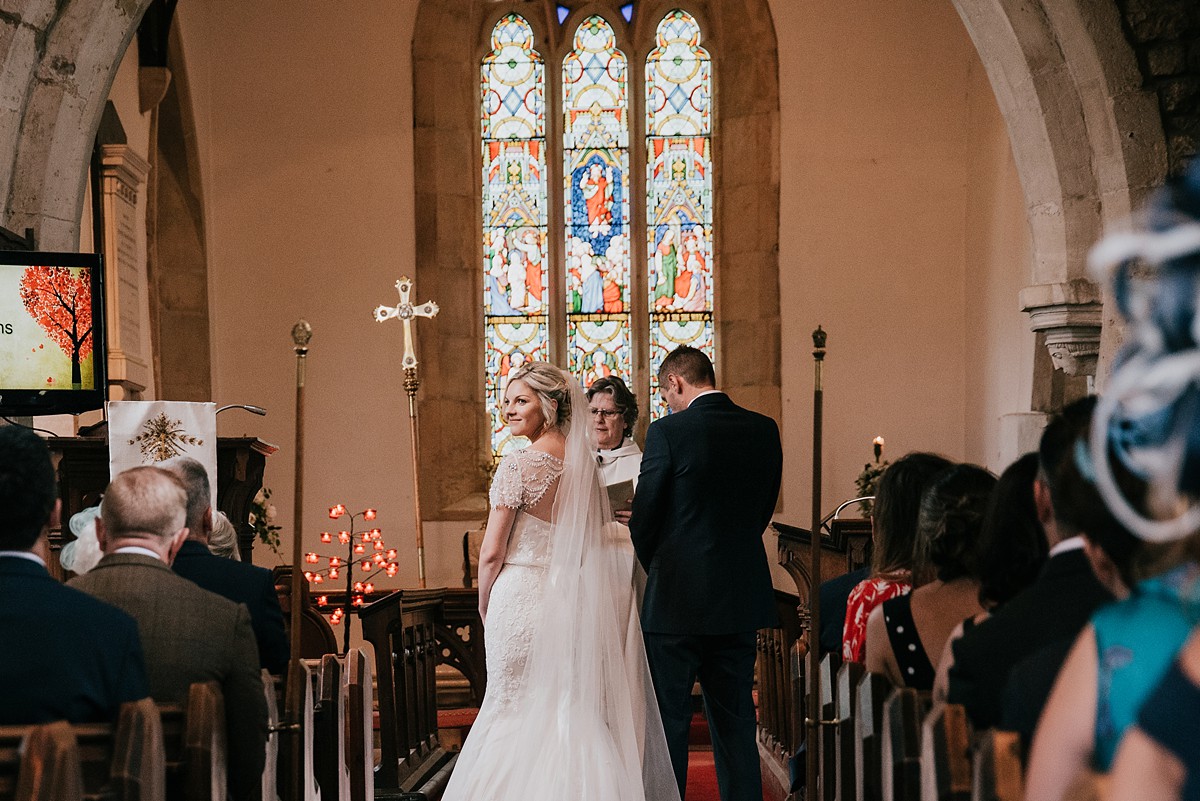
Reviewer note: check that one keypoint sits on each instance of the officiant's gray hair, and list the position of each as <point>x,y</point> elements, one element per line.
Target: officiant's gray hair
<point>553,392</point>
<point>623,399</point>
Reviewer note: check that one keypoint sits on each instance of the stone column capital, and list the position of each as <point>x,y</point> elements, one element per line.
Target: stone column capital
<point>1069,315</point>
<point>126,165</point>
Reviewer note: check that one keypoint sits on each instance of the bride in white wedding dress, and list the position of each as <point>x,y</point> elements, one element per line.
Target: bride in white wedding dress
<point>569,713</point>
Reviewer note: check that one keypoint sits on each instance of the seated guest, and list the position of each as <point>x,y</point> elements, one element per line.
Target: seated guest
<point>1012,545</point>
<point>1052,609</point>
<point>1012,551</point>
<point>223,540</point>
<point>190,634</point>
<point>894,534</point>
<point>240,583</point>
<point>1127,647</point>
<point>67,656</point>
<point>906,634</point>
<point>1159,758</point>
<point>82,553</point>
<point>835,593</point>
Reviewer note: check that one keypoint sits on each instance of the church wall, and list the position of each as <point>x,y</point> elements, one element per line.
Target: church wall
<point>305,144</point>
<point>886,175</point>
<point>1000,344</point>
<point>124,97</point>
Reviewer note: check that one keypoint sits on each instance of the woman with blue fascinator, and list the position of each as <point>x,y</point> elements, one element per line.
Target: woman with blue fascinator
<point>1137,475</point>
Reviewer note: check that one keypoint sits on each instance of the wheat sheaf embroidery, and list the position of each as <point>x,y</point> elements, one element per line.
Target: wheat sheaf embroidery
<point>162,437</point>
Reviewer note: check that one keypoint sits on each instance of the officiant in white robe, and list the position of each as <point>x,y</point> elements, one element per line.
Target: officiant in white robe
<point>614,413</point>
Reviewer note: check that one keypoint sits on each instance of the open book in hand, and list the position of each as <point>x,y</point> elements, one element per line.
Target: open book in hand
<point>620,495</point>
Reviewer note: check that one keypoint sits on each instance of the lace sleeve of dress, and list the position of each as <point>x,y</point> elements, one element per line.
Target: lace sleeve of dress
<point>507,485</point>
<point>539,471</point>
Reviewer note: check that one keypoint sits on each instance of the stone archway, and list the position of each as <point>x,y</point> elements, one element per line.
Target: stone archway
<point>59,59</point>
<point>1088,143</point>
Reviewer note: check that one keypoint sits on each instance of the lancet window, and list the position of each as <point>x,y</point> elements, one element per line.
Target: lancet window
<point>592,288</point>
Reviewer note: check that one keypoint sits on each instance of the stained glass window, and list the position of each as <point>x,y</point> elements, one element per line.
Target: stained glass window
<point>596,201</point>
<point>679,193</point>
<point>599,269</point>
<point>516,322</point>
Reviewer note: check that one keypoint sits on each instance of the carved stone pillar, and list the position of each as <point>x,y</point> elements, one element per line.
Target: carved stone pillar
<point>122,174</point>
<point>1069,315</point>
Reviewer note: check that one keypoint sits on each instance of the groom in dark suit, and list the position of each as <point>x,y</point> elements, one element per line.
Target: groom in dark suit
<point>708,485</point>
<point>67,656</point>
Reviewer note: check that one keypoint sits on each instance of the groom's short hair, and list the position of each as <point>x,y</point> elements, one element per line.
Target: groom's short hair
<point>690,364</point>
<point>28,487</point>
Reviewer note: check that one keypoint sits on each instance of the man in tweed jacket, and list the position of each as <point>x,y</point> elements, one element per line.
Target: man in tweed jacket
<point>188,634</point>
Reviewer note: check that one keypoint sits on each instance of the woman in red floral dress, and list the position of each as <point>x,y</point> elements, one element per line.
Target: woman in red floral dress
<point>894,533</point>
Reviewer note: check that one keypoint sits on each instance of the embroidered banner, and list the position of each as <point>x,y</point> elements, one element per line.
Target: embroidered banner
<point>149,432</point>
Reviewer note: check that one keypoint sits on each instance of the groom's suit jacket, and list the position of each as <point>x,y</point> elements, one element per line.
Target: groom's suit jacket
<point>66,655</point>
<point>708,485</point>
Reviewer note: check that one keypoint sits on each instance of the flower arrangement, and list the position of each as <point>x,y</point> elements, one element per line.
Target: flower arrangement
<point>262,521</point>
<point>868,479</point>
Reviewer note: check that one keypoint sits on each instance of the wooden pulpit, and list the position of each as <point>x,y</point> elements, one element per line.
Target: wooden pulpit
<point>82,464</point>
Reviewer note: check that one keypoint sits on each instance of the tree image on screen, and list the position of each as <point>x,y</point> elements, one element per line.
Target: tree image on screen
<point>60,300</point>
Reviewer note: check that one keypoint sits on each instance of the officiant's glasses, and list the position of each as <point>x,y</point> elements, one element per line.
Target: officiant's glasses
<point>607,414</point>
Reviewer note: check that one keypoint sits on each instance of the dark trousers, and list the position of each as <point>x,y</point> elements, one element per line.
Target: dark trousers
<point>724,664</point>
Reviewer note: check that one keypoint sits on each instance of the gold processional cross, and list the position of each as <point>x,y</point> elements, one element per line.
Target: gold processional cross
<point>406,312</point>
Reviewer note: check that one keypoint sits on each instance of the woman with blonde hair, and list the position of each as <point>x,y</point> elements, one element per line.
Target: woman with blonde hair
<point>569,710</point>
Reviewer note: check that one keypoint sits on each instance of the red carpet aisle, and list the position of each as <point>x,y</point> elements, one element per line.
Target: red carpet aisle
<point>702,773</point>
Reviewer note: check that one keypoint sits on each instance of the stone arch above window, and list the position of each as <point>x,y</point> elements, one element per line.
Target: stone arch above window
<point>449,44</point>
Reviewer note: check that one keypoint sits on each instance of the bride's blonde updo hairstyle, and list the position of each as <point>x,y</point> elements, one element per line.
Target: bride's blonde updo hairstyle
<point>553,393</point>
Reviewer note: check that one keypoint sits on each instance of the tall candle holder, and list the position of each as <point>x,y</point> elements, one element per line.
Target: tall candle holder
<point>365,550</point>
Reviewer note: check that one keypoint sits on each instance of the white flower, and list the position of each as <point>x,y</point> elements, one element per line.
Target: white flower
<point>259,498</point>
<point>270,514</point>
<point>253,518</point>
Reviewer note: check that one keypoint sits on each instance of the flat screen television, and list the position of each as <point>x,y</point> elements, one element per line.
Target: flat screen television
<point>52,344</point>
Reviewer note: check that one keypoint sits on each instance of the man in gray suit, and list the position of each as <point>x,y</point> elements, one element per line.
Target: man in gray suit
<point>189,634</point>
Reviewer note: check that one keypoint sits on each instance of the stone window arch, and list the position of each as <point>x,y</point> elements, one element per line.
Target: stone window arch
<point>449,45</point>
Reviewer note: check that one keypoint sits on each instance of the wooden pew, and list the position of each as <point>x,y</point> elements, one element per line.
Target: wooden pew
<point>848,677</point>
<point>360,734</point>
<point>873,690</point>
<point>402,627</point>
<point>40,763</point>
<point>900,748</point>
<point>946,754</point>
<point>100,761</point>
<point>998,774</point>
<point>329,731</point>
<point>797,657</point>
<point>194,744</point>
<point>297,776</point>
<point>138,763</point>
<point>460,640</point>
<point>270,779</point>
<point>829,733</point>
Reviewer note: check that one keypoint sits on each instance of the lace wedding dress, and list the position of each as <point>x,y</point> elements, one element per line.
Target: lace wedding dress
<point>569,711</point>
<point>522,482</point>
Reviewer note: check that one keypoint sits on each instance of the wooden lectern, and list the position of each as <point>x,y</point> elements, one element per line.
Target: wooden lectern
<point>82,465</point>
